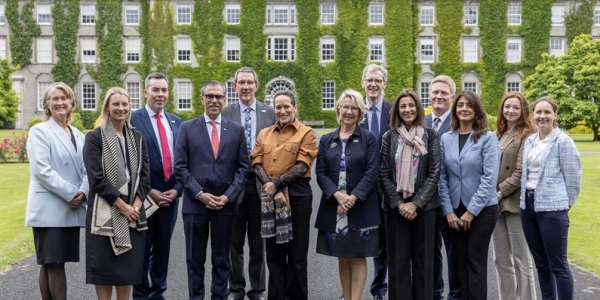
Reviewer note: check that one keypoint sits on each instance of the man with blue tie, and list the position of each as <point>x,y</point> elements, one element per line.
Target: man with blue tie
<point>441,92</point>
<point>211,161</point>
<point>377,120</point>
<point>159,129</point>
<point>254,116</point>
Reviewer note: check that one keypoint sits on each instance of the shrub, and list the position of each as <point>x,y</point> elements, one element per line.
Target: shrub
<point>33,121</point>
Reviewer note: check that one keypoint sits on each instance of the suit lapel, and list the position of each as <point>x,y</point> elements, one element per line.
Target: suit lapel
<point>467,145</point>
<point>224,135</point>
<point>147,123</point>
<point>203,128</point>
<point>173,124</point>
<point>62,137</point>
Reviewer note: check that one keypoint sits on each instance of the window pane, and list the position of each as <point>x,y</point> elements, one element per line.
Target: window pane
<point>558,15</point>
<point>328,13</point>
<point>427,51</point>
<point>556,46</point>
<point>327,49</point>
<point>376,49</point>
<point>470,14</point>
<point>513,87</point>
<point>471,86</point>
<point>184,50</point>
<point>232,13</point>
<point>597,15</point>
<point>2,20</point>
<point>513,50</point>
<point>425,93</point>
<point>88,14</point>
<point>184,95</point>
<point>184,14</point>
<point>470,51</point>
<point>514,15</point>
<point>132,14</point>
<point>133,49</point>
<point>3,46</point>
<point>42,86</point>
<point>88,50</point>
<point>44,50</point>
<point>232,96</point>
<point>376,15</point>
<point>88,97</point>
<point>427,16</point>
<point>328,94</point>
<point>133,89</point>
<point>43,14</point>
<point>232,48</point>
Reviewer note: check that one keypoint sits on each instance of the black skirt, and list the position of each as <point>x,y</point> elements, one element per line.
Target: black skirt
<point>56,244</point>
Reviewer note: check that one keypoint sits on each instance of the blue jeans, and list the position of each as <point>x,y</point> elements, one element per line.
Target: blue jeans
<point>546,233</point>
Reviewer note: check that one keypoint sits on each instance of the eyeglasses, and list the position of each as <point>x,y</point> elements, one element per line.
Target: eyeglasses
<point>57,99</point>
<point>347,108</point>
<point>213,97</point>
<point>376,81</point>
<point>243,83</point>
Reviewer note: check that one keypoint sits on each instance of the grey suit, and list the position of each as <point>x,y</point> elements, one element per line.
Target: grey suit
<point>249,217</point>
<point>57,175</point>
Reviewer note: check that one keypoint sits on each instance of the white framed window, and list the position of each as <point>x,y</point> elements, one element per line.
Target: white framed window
<point>44,50</point>
<point>557,46</point>
<point>513,86</point>
<point>43,14</point>
<point>232,48</point>
<point>376,49</point>
<point>471,86</point>
<point>328,13</point>
<point>427,50</point>
<point>88,14</point>
<point>470,49</point>
<point>328,93</point>
<point>514,14</point>
<point>232,96</point>
<point>132,49</point>
<point>88,96</point>
<point>184,50</point>
<point>232,13</point>
<point>184,14</point>
<point>427,15</point>
<point>184,95</point>
<point>41,87</point>
<point>376,14</point>
<point>470,15</point>
<point>133,89</point>
<point>513,50</point>
<point>132,14</point>
<point>3,46</point>
<point>327,49</point>
<point>424,93</point>
<point>2,10</point>
<point>281,14</point>
<point>597,16</point>
<point>88,50</point>
<point>281,48</point>
<point>558,15</point>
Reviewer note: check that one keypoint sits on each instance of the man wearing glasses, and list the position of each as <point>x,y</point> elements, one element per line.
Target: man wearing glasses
<point>254,116</point>
<point>211,162</point>
<point>377,120</point>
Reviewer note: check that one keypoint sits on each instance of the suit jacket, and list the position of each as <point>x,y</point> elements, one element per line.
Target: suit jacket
<point>198,170</point>
<point>384,125</point>
<point>470,175</point>
<point>57,175</point>
<point>509,174</point>
<point>141,121</point>
<point>362,161</point>
<point>445,127</point>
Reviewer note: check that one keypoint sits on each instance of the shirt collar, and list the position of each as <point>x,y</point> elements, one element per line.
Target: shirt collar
<point>442,117</point>
<point>244,106</point>
<point>207,119</point>
<point>151,113</point>
<point>295,124</point>
<point>379,104</point>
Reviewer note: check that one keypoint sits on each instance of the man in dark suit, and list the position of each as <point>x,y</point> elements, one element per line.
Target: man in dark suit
<point>441,91</point>
<point>377,120</point>
<point>211,161</point>
<point>159,129</point>
<point>254,116</point>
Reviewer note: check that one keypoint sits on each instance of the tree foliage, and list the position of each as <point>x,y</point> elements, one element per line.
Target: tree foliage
<point>573,80</point>
<point>9,101</point>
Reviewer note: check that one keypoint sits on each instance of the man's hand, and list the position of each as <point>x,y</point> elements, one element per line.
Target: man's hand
<point>213,202</point>
<point>162,199</point>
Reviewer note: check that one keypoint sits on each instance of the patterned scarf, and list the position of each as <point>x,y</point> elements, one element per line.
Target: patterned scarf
<point>413,146</point>
<point>276,218</point>
<point>107,219</point>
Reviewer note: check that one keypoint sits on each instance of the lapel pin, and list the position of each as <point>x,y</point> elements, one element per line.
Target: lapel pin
<point>355,141</point>
<point>333,145</point>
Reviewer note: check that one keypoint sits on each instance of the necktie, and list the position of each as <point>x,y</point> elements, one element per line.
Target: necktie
<point>248,129</point>
<point>214,138</point>
<point>436,124</point>
<point>164,147</point>
<point>374,121</point>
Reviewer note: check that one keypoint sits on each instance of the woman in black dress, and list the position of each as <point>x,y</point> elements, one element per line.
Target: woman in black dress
<point>348,217</point>
<point>117,165</point>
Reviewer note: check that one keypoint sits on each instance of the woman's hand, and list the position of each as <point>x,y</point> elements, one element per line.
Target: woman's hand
<point>466,219</point>
<point>280,198</point>
<point>270,189</point>
<point>408,210</point>
<point>344,200</point>
<point>130,212</point>
<point>453,221</point>
<point>77,200</point>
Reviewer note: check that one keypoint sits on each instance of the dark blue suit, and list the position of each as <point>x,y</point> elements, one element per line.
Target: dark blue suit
<point>162,222</point>
<point>379,285</point>
<point>199,171</point>
<point>442,234</point>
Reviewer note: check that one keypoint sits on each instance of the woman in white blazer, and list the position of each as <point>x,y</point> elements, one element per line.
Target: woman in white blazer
<point>57,189</point>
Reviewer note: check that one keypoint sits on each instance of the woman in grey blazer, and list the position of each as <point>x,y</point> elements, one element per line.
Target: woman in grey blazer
<point>514,265</point>
<point>550,184</point>
<point>57,189</point>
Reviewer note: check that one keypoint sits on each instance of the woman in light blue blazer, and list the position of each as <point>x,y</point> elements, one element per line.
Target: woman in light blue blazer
<point>550,184</point>
<point>58,189</point>
<point>467,187</point>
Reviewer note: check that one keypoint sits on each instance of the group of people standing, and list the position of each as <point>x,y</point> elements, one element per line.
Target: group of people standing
<point>396,185</point>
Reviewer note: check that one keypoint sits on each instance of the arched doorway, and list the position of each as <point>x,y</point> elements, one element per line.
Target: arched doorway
<point>275,85</point>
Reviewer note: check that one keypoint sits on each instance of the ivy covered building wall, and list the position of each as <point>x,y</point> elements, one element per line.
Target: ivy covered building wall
<point>316,48</point>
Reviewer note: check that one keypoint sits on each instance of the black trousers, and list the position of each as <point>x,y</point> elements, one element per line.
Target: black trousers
<point>410,252</point>
<point>288,262</point>
<point>470,252</point>
<point>248,222</point>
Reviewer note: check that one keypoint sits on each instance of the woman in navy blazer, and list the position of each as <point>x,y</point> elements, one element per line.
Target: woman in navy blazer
<point>470,161</point>
<point>57,189</point>
<point>408,175</point>
<point>348,216</point>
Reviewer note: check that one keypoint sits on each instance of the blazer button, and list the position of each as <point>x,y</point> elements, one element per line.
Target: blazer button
<point>507,167</point>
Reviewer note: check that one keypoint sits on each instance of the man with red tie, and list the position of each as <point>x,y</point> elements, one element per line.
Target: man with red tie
<point>159,129</point>
<point>211,161</point>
